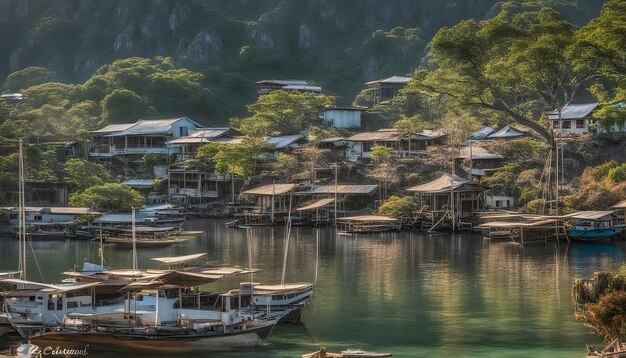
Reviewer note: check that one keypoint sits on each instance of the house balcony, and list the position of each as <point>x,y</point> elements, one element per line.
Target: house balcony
<point>194,193</point>
<point>112,150</point>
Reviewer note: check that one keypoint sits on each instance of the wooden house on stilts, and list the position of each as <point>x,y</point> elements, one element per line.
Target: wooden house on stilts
<point>449,202</point>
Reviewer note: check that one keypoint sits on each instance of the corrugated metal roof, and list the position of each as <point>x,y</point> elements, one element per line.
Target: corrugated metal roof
<point>317,204</point>
<point>70,210</point>
<point>283,141</point>
<point>392,79</point>
<point>482,133</point>
<point>391,134</point>
<point>303,88</point>
<point>113,218</point>
<point>139,182</point>
<point>573,111</point>
<point>150,126</point>
<point>442,184</point>
<point>332,139</point>
<point>478,152</point>
<point>284,82</point>
<point>506,132</point>
<point>381,135</point>
<point>342,189</point>
<point>206,135</point>
<point>114,128</point>
<point>620,205</point>
<point>270,189</point>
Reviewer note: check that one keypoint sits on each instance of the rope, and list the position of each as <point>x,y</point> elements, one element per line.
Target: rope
<point>287,235</point>
<point>30,242</point>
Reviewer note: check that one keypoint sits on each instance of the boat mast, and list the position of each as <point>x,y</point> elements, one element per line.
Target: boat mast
<point>22,214</point>
<point>250,264</point>
<point>134,241</point>
<point>336,166</point>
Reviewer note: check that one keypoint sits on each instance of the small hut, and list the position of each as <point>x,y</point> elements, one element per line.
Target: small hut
<point>450,200</point>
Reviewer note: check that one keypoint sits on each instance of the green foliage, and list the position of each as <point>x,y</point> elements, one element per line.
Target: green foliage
<point>239,159</point>
<point>413,124</point>
<point>606,317</point>
<point>81,174</point>
<point>398,206</point>
<point>503,179</point>
<point>618,175</point>
<point>599,187</point>
<point>282,113</point>
<point>42,163</point>
<point>381,154</point>
<point>28,77</point>
<point>160,185</point>
<point>123,106</point>
<point>108,197</point>
<point>516,64</point>
<point>8,175</point>
<point>286,166</point>
<point>123,91</point>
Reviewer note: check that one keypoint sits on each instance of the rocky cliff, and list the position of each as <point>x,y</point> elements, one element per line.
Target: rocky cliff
<point>338,43</point>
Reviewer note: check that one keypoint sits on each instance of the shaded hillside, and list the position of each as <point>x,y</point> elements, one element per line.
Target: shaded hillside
<point>339,44</point>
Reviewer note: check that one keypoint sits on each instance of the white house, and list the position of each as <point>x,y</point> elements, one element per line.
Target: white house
<point>499,201</point>
<point>338,117</point>
<point>575,119</point>
<point>47,215</point>
<point>142,137</point>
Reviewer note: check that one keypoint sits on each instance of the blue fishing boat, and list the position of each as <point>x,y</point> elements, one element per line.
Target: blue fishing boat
<point>594,226</point>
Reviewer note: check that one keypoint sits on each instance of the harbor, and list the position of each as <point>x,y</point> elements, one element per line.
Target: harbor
<point>409,293</point>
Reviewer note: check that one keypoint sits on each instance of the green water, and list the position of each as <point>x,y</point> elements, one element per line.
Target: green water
<point>409,293</point>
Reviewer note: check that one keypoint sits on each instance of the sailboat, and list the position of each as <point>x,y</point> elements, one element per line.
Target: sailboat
<point>288,297</point>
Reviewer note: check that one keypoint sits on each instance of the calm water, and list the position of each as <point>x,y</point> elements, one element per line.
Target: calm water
<point>412,294</point>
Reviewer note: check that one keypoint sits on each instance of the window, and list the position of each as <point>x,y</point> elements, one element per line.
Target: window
<point>567,124</point>
<point>555,124</point>
<point>580,123</point>
<point>184,131</point>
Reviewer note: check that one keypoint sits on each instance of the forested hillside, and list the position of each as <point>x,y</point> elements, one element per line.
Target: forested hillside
<point>338,44</point>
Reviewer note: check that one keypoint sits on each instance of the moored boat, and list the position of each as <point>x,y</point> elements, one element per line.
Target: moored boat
<point>594,226</point>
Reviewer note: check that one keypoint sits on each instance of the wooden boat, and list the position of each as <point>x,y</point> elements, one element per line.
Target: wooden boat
<point>348,353</point>
<point>213,336</point>
<point>369,224</point>
<point>594,226</point>
<point>143,242</point>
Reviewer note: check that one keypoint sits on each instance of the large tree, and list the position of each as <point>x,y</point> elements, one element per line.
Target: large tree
<point>516,64</point>
<point>108,197</point>
<point>282,112</point>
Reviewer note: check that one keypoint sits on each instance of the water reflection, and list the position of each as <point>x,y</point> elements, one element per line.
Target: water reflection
<point>409,293</point>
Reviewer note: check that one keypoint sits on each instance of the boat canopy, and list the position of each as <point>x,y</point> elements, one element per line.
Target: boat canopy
<point>317,204</point>
<point>177,260</point>
<point>590,215</point>
<point>368,218</point>
<point>172,279</point>
<point>60,288</point>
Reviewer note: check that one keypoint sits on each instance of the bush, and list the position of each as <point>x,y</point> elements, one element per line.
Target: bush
<point>398,206</point>
<point>108,197</point>
<point>606,317</point>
